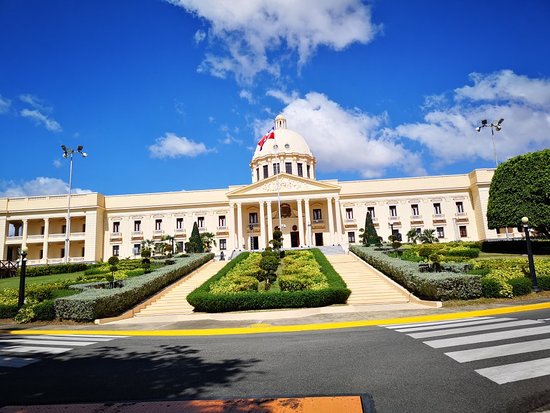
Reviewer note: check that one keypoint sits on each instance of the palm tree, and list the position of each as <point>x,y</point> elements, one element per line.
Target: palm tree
<point>412,235</point>
<point>207,239</point>
<point>428,237</point>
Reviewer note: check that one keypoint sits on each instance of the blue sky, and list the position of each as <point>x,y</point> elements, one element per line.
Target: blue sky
<point>174,95</point>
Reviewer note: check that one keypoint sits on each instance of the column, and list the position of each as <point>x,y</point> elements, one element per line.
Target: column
<point>261,244</point>
<point>45,241</point>
<point>338,239</point>
<point>301,222</point>
<point>231,228</point>
<point>330,220</point>
<point>25,231</point>
<point>269,222</point>
<point>239,227</point>
<point>3,235</point>
<point>308,224</point>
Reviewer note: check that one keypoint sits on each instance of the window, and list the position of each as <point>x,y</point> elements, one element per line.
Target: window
<point>223,244</point>
<point>440,232</point>
<point>300,169</point>
<point>83,251</point>
<point>116,227</point>
<point>158,224</point>
<point>414,210</point>
<point>137,225</point>
<point>137,249</point>
<point>257,174</point>
<point>63,229</point>
<point>42,230</point>
<point>437,208</point>
<point>41,255</point>
<point>351,237</point>
<point>418,230</point>
<point>288,167</point>
<point>221,221</point>
<point>179,223</point>
<point>317,215</point>
<point>276,168</point>
<point>307,168</point>
<point>83,227</point>
<point>179,246</point>
<point>463,231</point>
<point>370,210</point>
<point>116,250</point>
<point>200,222</point>
<point>349,213</point>
<point>266,173</point>
<point>253,218</point>
<point>393,211</point>
<point>459,207</point>
<point>62,252</point>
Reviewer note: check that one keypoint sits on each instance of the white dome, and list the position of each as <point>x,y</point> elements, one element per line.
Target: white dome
<point>285,142</point>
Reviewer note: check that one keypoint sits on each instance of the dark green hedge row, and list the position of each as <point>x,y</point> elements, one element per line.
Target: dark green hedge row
<point>53,269</point>
<point>203,300</point>
<point>8,310</point>
<point>431,286</point>
<point>540,247</point>
<point>100,303</point>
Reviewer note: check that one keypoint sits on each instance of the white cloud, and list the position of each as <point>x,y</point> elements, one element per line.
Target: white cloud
<point>247,95</point>
<point>38,186</point>
<point>35,102</point>
<point>449,131</point>
<point>199,36</point>
<point>344,139</point>
<point>249,31</point>
<point>5,104</point>
<point>172,146</point>
<point>282,96</point>
<point>57,163</point>
<point>41,119</point>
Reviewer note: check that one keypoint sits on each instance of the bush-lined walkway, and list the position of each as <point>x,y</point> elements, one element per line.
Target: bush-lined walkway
<point>366,285</point>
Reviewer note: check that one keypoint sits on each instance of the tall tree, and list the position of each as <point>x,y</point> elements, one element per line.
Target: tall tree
<point>368,234</point>
<point>195,241</point>
<point>521,187</point>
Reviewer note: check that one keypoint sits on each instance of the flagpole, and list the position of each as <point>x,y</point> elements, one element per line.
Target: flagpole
<point>278,186</point>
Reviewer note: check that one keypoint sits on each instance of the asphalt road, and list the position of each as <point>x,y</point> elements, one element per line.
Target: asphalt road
<point>399,371</point>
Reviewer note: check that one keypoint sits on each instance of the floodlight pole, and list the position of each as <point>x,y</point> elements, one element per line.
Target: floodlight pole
<point>493,125</point>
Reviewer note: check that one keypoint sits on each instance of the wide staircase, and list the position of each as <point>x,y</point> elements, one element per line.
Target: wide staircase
<point>367,285</point>
<point>173,301</point>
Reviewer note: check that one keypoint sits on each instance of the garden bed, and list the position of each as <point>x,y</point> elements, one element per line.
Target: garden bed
<point>301,281</point>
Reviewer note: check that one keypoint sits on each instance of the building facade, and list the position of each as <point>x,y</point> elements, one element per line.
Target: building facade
<point>284,194</point>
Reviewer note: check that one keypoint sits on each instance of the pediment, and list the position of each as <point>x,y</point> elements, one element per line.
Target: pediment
<point>285,184</point>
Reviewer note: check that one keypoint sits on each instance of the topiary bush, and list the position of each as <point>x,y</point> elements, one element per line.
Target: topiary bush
<point>521,286</point>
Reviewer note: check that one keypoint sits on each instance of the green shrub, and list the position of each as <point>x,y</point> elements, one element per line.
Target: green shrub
<point>520,286</point>
<point>462,252</point>
<point>543,282</point>
<point>36,271</point>
<point>99,303</point>
<point>136,272</point>
<point>8,310</point>
<point>234,284</point>
<point>96,271</point>
<point>490,287</point>
<point>44,310</point>
<point>433,286</point>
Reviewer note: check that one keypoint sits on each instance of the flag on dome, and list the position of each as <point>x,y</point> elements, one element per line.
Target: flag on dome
<point>269,135</point>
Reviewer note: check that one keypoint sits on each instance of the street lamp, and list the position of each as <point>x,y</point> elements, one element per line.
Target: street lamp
<point>24,250</point>
<point>68,153</point>
<point>525,222</point>
<point>494,125</point>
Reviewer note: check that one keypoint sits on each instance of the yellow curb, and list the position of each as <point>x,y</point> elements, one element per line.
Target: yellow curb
<point>294,328</point>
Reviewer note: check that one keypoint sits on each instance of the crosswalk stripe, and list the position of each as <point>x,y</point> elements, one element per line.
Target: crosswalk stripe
<point>432,323</point>
<point>33,349</point>
<point>16,362</point>
<point>499,351</point>
<point>471,329</point>
<point>465,324</point>
<point>509,373</point>
<point>65,337</point>
<point>48,342</point>
<point>483,338</point>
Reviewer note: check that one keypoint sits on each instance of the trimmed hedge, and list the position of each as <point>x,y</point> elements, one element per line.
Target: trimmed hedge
<point>99,303</point>
<point>540,247</point>
<point>53,269</point>
<point>431,286</point>
<point>203,300</point>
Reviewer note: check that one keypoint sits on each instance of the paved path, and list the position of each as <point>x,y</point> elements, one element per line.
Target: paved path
<point>173,301</point>
<point>367,285</point>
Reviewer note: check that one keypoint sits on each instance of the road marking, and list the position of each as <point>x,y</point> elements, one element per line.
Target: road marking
<point>16,362</point>
<point>499,351</point>
<point>455,324</point>
<point>435,323</point>
<point>71,337</point>
<point>48,342</point>
<point>32,349</point>
<point>509,373</point>
<point>484,338</point>
<point>471,329</point>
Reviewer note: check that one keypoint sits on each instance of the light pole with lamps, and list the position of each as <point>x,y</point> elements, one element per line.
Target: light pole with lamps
<point>525,222</point>
<point>494,125</point>
<point>21,300</point>
<point>68,153</point>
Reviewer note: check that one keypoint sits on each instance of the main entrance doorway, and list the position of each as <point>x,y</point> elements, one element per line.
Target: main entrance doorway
<point>294,239</point>
<point>319,239</point>
<point>254,245</point>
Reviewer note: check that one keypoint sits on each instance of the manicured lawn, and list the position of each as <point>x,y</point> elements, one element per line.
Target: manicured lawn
<point>13,282</point>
